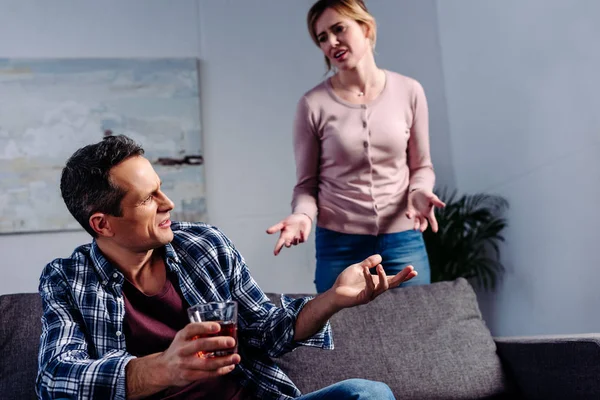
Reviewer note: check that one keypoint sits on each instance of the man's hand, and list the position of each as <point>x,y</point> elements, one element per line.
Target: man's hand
<point>181,361</point>
<point>356,285</point>
<point>180,365</point>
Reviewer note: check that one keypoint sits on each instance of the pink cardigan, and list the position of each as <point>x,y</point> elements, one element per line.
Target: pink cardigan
<point>355,164</point>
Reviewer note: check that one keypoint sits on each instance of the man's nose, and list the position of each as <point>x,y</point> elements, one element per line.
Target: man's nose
<point>166,204</point>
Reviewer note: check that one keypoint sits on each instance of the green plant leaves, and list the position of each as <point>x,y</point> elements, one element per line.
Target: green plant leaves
<point>467,243</point>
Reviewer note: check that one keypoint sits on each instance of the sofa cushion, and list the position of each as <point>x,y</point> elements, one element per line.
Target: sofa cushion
<point>425,342</point>
<point>19,343</point>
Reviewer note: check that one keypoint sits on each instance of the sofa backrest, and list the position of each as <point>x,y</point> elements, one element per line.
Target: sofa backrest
<point>425,342</point>
<point>20,331</point>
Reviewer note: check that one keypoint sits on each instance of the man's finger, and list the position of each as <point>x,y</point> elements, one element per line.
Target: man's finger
<point>402,276</point>
<point>371,261</point>
<point>216,364</point>
<point>197,329</point>
<point>410,275</point>
<point>225,370</point>
<point>383,281</point>
<point>369,285</point>
<point>208,345</point>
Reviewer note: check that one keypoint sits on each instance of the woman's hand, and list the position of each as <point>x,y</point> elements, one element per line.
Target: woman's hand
<point>294,230</point>
<point>421,203</point>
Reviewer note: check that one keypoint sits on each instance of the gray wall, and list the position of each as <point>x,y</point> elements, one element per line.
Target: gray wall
<point>256,61</point>
<point>522,86</point>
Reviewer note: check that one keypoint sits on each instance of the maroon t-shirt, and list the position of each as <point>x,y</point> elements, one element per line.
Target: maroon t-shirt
<point>150,325</point>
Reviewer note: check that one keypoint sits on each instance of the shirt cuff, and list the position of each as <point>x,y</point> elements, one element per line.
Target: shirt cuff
<point>321,339</point>
<point>305,206</point>
<point>121,390</point>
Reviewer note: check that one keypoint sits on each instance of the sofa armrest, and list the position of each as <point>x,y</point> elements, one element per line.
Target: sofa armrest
<point>553,367</point>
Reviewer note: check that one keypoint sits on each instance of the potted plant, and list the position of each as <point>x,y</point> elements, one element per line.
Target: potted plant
<point>467,243</point>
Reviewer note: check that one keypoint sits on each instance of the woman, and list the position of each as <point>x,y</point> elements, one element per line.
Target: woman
<point>361,145</point>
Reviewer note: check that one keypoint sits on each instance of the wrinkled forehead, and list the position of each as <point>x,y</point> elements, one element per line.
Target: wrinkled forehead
<point>328,19</point>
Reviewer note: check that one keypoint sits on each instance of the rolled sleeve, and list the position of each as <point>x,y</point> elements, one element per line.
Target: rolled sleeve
<point>322,339</point>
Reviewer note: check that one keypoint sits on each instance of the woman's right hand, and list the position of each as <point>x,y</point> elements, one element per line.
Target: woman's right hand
<point>294,230</point>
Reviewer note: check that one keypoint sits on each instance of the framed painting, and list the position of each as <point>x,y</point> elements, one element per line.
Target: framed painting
<point>50,108</point>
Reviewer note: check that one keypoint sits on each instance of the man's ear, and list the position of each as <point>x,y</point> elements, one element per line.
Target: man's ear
<point>101,225</point>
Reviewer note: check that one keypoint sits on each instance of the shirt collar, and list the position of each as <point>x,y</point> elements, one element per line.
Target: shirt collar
<point>107,271</point>
<point>103,267</point>
<point>171,258</point>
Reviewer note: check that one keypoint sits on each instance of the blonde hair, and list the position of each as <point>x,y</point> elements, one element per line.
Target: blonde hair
<point>353,9</point>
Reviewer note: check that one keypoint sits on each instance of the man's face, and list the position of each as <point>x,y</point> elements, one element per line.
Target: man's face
<point>145,222</point>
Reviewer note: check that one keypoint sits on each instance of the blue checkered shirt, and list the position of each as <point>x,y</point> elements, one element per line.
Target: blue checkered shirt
<point>82,347</point>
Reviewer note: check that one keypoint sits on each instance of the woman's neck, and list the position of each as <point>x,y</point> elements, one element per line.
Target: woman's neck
<point>364,75</point>
<point>363,78</point>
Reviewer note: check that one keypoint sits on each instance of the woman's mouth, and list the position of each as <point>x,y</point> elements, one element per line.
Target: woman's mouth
<point>340,55</point>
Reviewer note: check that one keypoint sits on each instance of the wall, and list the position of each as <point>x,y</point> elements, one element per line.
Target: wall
<point>256,61</point>
<point>522,87</point>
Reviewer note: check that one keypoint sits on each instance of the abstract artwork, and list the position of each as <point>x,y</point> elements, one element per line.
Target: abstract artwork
<point>50,108</point>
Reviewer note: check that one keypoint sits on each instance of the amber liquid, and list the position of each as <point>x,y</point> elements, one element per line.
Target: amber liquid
<point>228,328</point>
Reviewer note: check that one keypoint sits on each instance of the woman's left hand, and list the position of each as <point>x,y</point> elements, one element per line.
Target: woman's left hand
<point>421,203</point>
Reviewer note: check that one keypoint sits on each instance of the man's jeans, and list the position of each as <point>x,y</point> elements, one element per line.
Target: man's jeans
<point>355,389</point>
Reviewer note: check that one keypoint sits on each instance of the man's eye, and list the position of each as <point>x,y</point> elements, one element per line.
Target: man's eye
<point>147,199</point>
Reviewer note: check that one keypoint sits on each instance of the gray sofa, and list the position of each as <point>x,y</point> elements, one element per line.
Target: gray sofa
<point>426,342</point>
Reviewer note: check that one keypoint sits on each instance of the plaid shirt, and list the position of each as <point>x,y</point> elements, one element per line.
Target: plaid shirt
<point>82,346</point>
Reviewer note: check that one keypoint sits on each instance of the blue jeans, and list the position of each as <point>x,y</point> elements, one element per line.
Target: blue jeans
<point>355,389</point>
<point>336,251</point>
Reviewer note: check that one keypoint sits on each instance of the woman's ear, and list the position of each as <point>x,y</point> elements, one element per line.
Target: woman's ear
<point>369,33</point>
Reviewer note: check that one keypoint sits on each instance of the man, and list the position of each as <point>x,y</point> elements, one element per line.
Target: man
<point>115,323</point>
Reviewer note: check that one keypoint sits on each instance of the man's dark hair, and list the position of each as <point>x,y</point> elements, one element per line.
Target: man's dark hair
<point>85,182</point>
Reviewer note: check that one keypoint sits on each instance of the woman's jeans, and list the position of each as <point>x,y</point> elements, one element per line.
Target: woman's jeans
<point>336,251</point>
